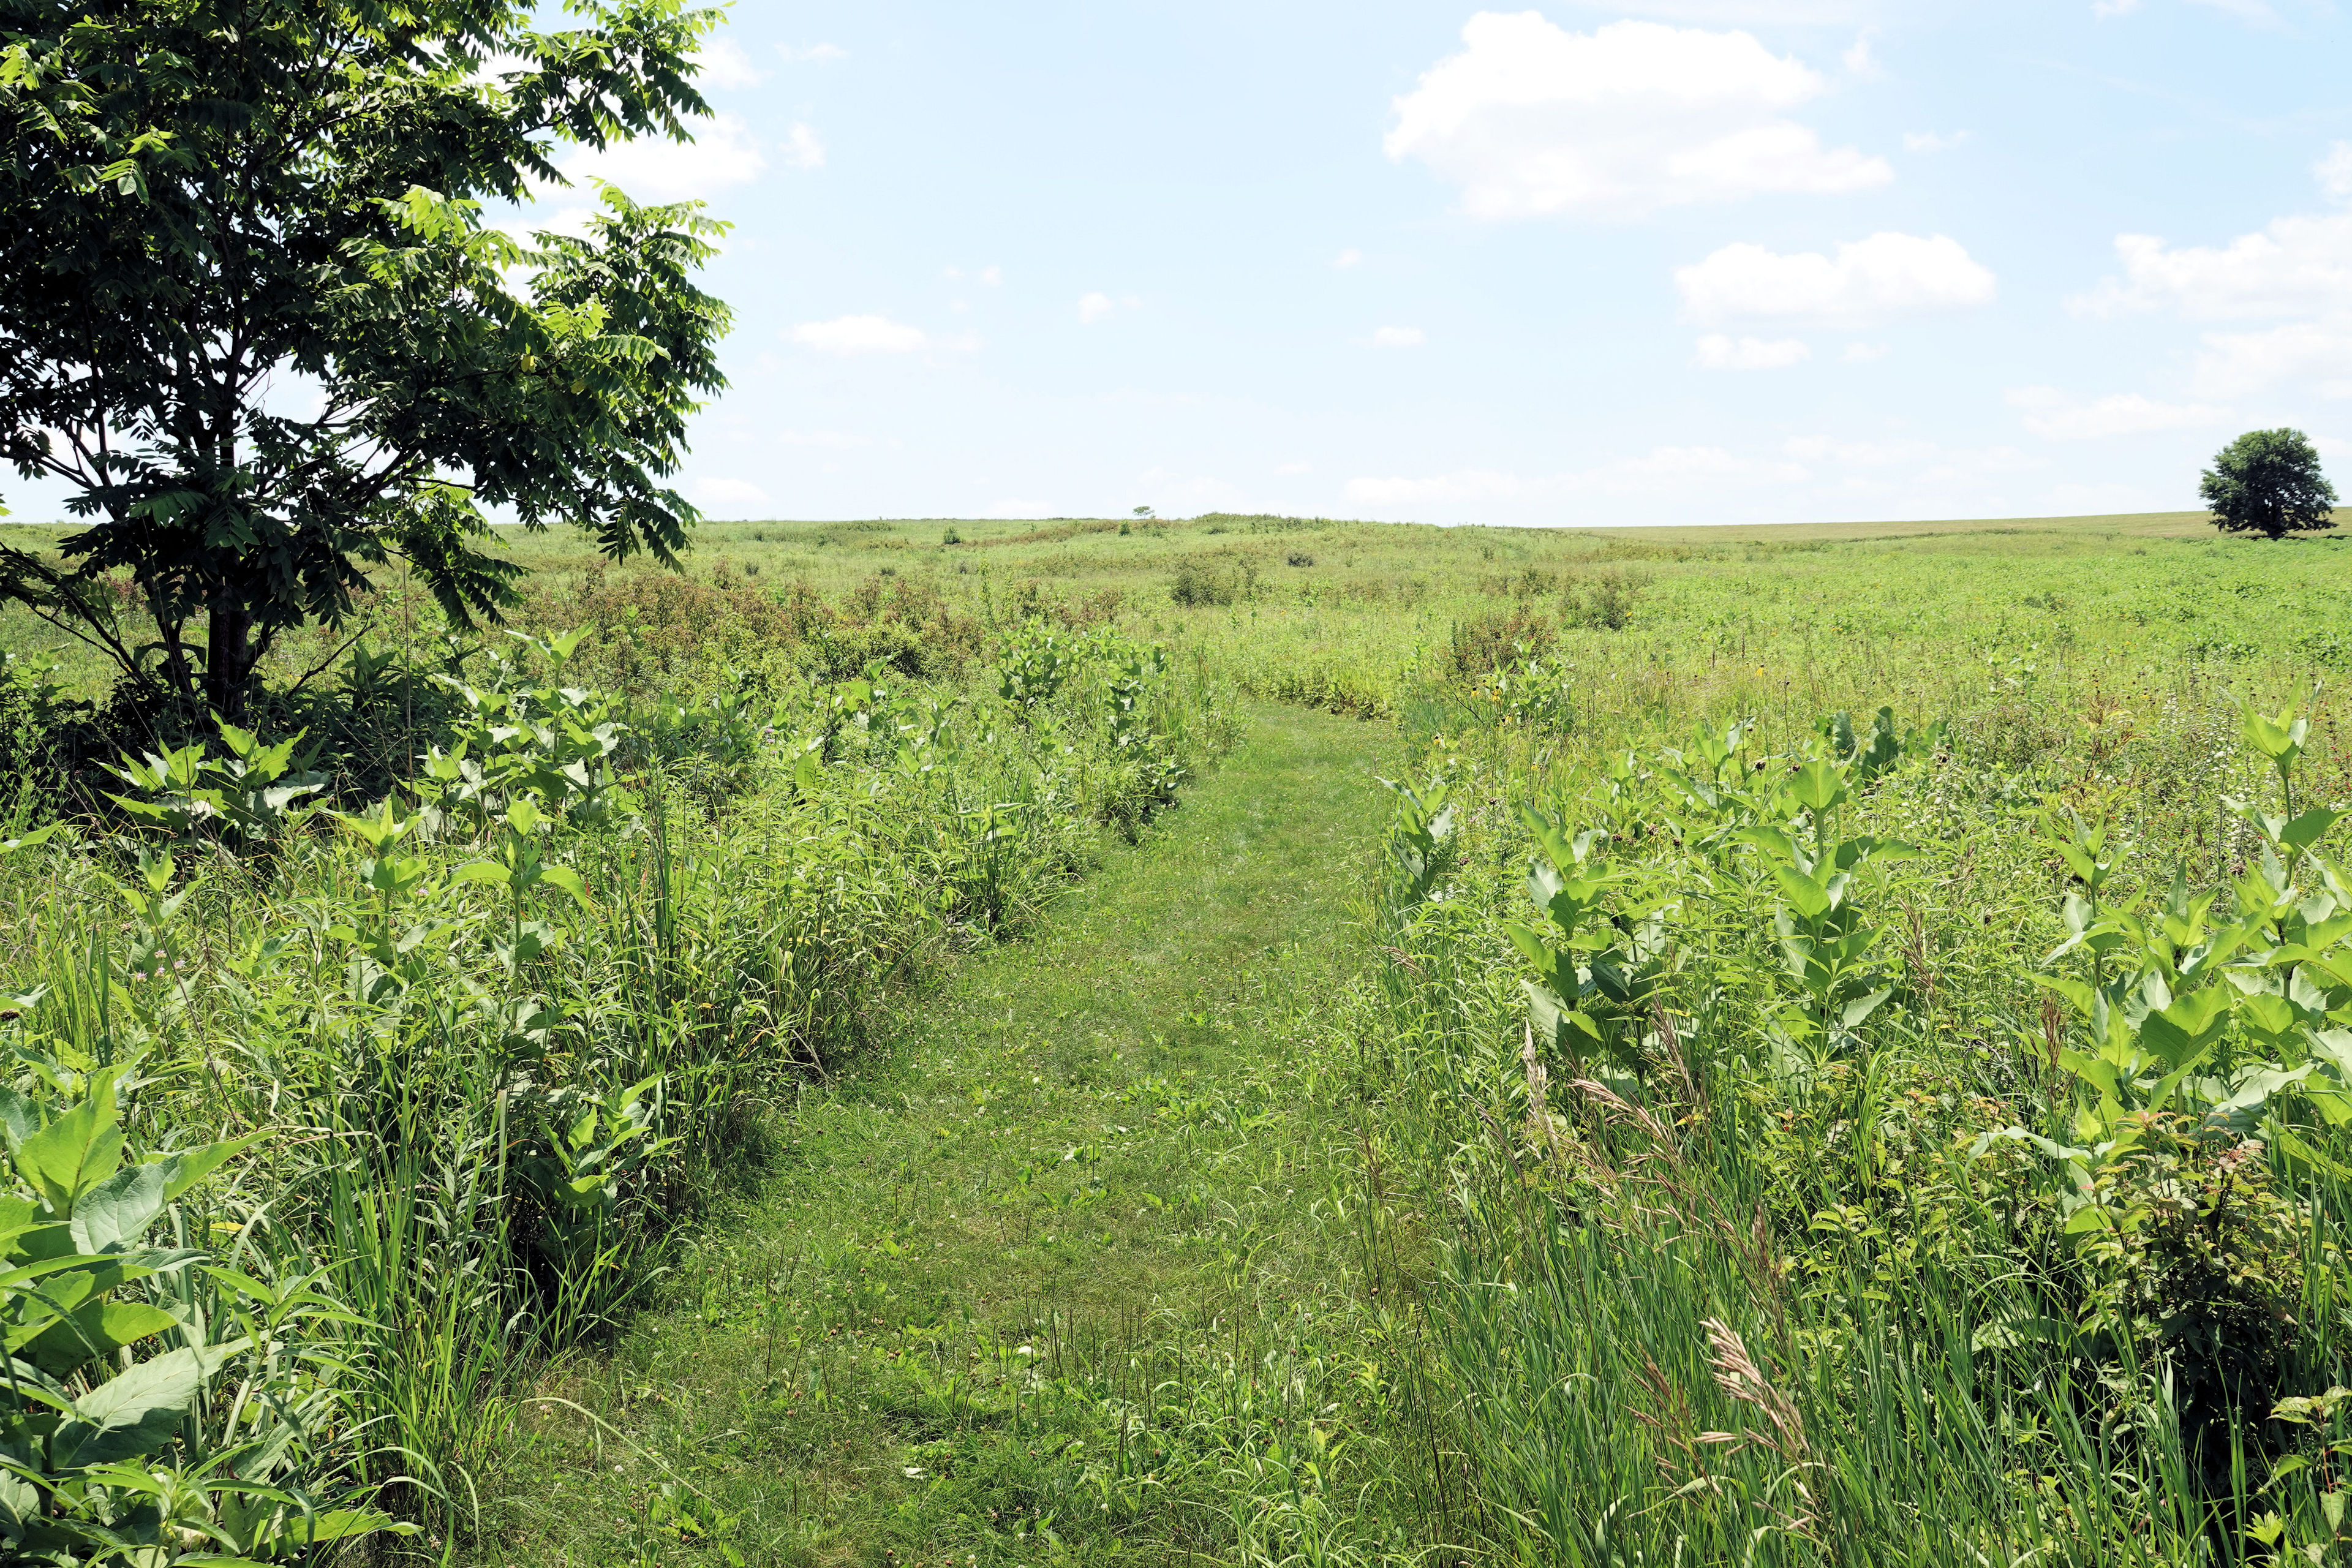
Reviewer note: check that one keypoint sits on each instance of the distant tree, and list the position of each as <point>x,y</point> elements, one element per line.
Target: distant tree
<point>251,313</point>
<point>2269,481</point>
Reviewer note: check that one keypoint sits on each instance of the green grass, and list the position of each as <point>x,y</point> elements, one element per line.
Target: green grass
<point>1210,1219</point>
<point>1823,608</point>
<point>1061,1254</point>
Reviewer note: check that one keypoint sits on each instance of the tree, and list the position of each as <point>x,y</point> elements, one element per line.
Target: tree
<point>252,312</point>
<point>2269,481</point>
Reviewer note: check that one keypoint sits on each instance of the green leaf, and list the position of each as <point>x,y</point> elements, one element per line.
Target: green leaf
<point>2182,1030</point>
<point>2308,828</point>
<point>2301,1154</point>
<point>137,1414</point>
<point>1532,947</point>
<point>77,1150</point>
<point>117,1212</point>
<point>2020,1135</point>
<point>2097,1071</point>
<point>20,1117</point>
<point>1862,1008</point>
<point>342,1524</point>
<point>568,880</point>
<point>482,871</point>
<point>95,1330</point>
<point>1818,787</point>
<point>38,836</point>
<point>2077,992</point>
<point>1806,897</point>
<point>185,1168</point>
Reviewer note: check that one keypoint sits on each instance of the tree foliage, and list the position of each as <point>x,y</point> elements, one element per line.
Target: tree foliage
<point>252,314</point>
<point>2269,482</point>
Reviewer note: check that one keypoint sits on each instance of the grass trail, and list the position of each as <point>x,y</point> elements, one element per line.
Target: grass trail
<point>1048,1273</point>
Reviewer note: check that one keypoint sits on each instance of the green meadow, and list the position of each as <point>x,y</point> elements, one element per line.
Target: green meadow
<point>1265,1040</point>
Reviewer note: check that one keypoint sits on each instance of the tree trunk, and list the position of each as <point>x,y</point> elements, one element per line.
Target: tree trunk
<point>229,659</point>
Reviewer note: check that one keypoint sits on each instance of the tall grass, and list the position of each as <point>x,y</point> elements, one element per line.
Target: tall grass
<point>501,1035</point>
<point>1747,1286</point>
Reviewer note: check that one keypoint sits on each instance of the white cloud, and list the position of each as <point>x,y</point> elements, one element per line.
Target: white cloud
<point>860,335</point>
<point>1399,338</point>
<point>720,494</point>
<point>1859,59</point>
<point>1716,352</point>
<point>2296,272</point>
<point>1864,354</point>
<point>1349,257</point>
<point>1096,307</point>
<point>1933,141</point>
<point>2236,364</point>
<point>992,276</point>
<point>2051,413</point>
<point>2114,7</point>
<point>722,156</point>
<point>1884,278</point>
<point>804,149</point>
<point>1292,470</point>
<point>814,52</point>
<point>721,63</point>
<point>2296,265</point>
<point>1531,119</point>
<point>2334,171</point>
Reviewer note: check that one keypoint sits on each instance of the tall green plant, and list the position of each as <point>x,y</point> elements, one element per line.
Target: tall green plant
<point>111,1447</point>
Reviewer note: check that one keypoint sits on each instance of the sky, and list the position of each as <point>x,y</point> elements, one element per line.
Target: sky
<point>1656,261</point>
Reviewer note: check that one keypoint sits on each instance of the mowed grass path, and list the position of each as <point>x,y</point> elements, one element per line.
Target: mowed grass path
<point>1034,1279</point>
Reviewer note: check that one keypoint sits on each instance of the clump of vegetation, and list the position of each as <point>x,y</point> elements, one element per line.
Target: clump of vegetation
<point>1495,639</point>
<point>1604,601</point>
<point>1209,580</point>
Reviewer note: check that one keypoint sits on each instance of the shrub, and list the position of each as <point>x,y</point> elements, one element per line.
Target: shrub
<point>1212,580</point>
<point>1605,601</point>
<point>1500,637</point>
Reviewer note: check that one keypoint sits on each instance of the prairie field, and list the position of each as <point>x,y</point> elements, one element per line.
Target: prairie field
<point>1267,1040</point>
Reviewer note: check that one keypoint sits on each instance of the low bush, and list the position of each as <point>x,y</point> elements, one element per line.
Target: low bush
<point>1202,580</point>
<point>1499,638</point>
